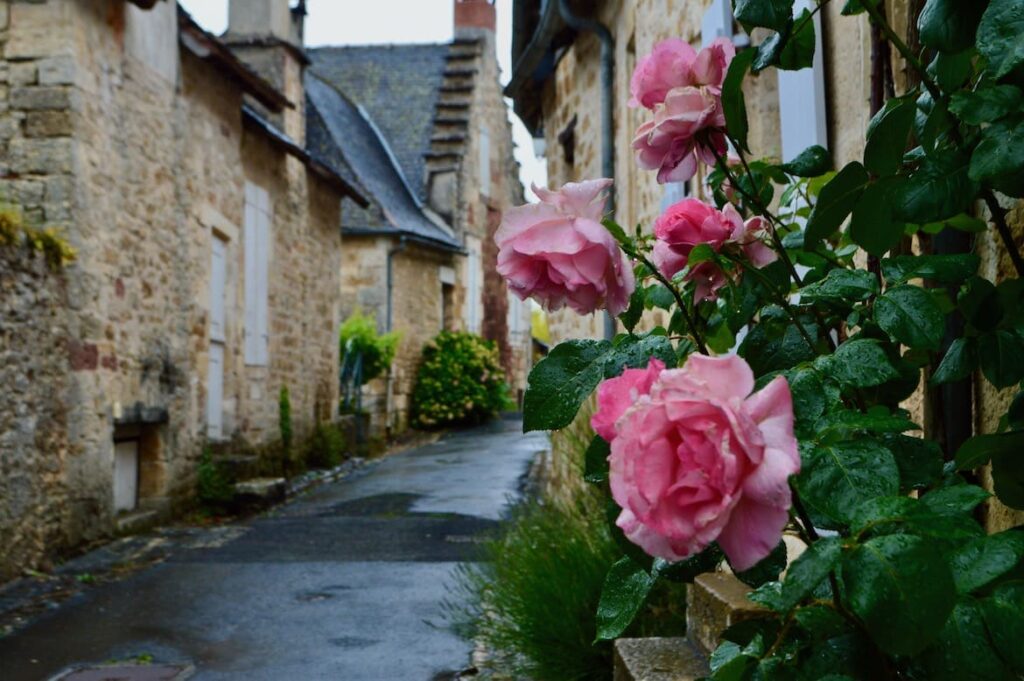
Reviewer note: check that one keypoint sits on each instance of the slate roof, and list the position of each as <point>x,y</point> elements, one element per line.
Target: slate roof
<point>344,136</point>
<point>398,85</point>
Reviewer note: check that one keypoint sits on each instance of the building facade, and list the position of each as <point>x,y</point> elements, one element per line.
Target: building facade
<point>425,130</point>
<point>207,272</point>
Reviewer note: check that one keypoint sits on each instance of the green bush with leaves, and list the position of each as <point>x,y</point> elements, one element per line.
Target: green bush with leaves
<point>326,447</point>
<point>359,337</point>
<point>284,420</point>
<point>213,485</point>
<point>460,381</point>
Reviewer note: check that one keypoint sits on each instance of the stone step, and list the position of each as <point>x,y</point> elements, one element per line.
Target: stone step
<point>459,72</point>
<point>259,493</point>
<point>455,89</point>
<point>658,659</point>
<point>715,602</point>
<point>136,521</point>
<point>452,106</point>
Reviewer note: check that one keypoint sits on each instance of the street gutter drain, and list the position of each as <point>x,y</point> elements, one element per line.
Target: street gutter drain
<point>129,672</point>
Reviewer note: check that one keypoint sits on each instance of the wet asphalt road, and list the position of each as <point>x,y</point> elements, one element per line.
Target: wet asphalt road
<point>345,582</point>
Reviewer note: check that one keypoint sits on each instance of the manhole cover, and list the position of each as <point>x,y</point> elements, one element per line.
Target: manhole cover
<point>131,672</point>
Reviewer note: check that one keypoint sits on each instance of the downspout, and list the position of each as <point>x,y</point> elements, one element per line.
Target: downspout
<point>607,108</point>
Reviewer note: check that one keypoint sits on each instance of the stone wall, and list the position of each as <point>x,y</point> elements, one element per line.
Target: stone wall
<point>33,409</point>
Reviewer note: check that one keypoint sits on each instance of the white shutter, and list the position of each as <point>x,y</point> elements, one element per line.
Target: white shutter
<point>485,162</point>
<point>802,99</point>
<point>257,260</point>
<point>717,22</point>
<point>126,475</point>
<point>473,301</point>
<point>215,392</point>
<point>218,279</point>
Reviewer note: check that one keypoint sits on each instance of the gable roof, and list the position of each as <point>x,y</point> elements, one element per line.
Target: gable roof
<point>398,86</point>
<point>344,136</point>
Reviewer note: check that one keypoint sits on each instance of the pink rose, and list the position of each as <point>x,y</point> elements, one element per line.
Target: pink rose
<point>699,459</point>
<point>670,144</point>
<point>617,394</point>
<point>690,222</point>
<point>558,252</point>
<point>672,64</point>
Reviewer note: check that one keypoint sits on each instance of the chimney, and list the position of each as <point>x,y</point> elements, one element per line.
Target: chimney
<point>260,18</point>
<point>475,19</point>
<point>299,23</point>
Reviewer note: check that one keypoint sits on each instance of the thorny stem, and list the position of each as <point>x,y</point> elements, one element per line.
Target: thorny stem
<point>679,303</point>
<point>879,20</point>
<point>999,217</point>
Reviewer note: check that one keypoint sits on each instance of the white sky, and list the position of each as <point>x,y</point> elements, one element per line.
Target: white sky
<point>361,22</point>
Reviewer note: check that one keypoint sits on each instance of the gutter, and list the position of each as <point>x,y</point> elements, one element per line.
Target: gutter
<point>583,25</point>
<point>536,50</point>
<point>410,237</point>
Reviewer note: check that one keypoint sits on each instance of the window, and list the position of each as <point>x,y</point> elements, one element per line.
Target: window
<point>802,99</point>
<point>257,270</point>
<point>485,162</point>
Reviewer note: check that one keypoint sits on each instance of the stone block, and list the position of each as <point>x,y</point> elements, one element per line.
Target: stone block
<point>717,601</point>
<point>58,70</point>
<point>9,125</point>
<point>31,98</point>
<point>42,30</point>
<point>21,73</point>
<point>48,124</point>
<point>658,659</point>
<point>40,156</point>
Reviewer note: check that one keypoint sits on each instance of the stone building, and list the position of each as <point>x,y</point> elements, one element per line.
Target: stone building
<point>423,129</point>
<point>208,260</point>
<point>556,87</point>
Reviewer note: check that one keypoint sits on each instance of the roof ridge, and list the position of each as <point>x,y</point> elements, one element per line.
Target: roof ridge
<point>360,46</point>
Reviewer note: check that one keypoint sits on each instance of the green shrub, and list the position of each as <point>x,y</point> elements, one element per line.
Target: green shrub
<point>460,381</point>
<point>326,447</point>
<point>213,485</point>
<point>284,420</point>
<point>359,335</point>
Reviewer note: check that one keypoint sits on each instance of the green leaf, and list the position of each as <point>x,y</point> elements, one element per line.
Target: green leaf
<point>773,14</point>
<point>919,460</point>
<point>767,352</point>
<point>1002,358</point>
<point>810,162</point>
<point>980,449</point>
<point>887,136</point>
<point>942,269</point>
<point>854,7</point>
<point>949,25</point>
<point>1004,616</point>
<point>902,590</point>
<point>620,234</point>
<point>841,287</point>
<point>877,420</point>
<point>873,225</point>
<point>835,202</point>
<point>769,50</point>
<point>959,361</point>
<point>951,71</point>
<point>631,317</point>
<point>1008,480</point>
<point>998,160</point>
<point>806,572</point>
<point>954,499</point>
<point>595,460</point>
<point>767,570</point>
<point>910,315</point>
<point>809,397</point>
<point>963,651</point>
<point>980,303</point>
<point>985,105</point>
<point>859,363</point>
<point>986,559</point>
<point>798,50</point>
<point>560,382</point>
<point>734,105</point>
<point>906,515</point>
<point>687,570</point>
<point>836,479</point>
<point>999,34</point>
<point>625,591</point>
<point>940,188</point>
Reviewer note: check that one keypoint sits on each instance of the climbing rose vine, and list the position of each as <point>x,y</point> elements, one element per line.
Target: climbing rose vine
<point>805,305</point>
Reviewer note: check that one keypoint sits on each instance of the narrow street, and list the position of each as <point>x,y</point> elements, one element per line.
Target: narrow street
<point>344,582</point>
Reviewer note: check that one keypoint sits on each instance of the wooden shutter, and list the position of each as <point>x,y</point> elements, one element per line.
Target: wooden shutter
<point>717,22</point>
<point>257,271</point>
<point>485,162</point>
<point>215,392</point>
<point>218,281</point>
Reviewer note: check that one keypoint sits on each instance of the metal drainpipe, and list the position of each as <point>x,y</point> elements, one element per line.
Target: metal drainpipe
<point>391,277</point>
<point>607,108</point>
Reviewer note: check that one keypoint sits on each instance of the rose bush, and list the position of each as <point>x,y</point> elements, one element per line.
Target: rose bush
<point>558,253</point>
<point>800,426</point>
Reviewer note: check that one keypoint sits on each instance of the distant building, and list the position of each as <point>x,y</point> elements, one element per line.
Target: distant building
<point>423,129</point>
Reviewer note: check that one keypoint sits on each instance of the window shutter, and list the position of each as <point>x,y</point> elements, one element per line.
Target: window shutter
<point>802,99</point>
<point>264,278</point>
<point>218,279</point>
<point>485,162</point>
<point>251,258</point>
<point>717,22</point>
